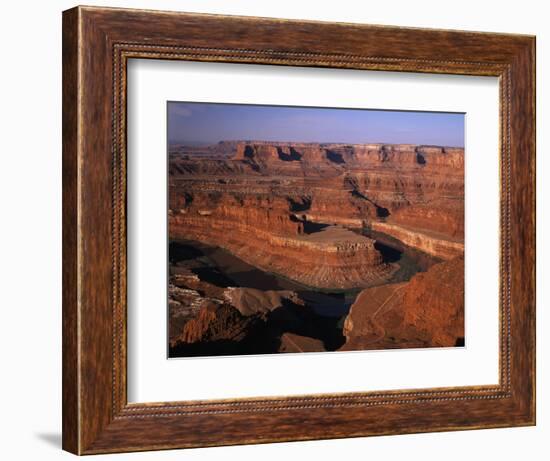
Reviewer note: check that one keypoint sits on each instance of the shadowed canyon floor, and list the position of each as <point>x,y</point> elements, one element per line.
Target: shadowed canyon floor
<point>290,247</point>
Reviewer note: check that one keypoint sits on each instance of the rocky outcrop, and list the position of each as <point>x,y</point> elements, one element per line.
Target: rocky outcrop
<point>434,244</point>
<point>351,155</point>
<point>250,301</point>
<point>427,311</point>
<point>440,216</point>
<point>217,322</point>
<point>333,257</point>
<point>235,213</point>
<point>292,343</point>
<point>183,305</point>
<point>434,303</point>
<point>249,321</point>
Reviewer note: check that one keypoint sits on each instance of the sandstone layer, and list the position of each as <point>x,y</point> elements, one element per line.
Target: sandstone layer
<point>427,311</point>
<point>430,242</point>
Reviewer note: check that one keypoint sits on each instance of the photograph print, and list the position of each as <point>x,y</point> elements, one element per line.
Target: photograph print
<point>313,229</point>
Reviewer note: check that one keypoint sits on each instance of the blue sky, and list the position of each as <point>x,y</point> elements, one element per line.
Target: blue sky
<point>208,123</point>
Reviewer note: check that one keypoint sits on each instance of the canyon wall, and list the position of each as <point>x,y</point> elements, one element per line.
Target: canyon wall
<point>427,311</point>
<point>272,198</point>
<point>431,243</point>
<point>333,257</point>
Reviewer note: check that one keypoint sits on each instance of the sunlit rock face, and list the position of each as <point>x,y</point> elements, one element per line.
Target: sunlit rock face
<point>428,311</point>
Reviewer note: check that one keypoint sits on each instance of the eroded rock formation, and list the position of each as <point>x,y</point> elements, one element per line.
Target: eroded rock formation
<point>433,243</point>
<point>333,257</point>
<point>285,188</point>
<point>427,311</point>
<point>309,212</point>
<point>248,321</point>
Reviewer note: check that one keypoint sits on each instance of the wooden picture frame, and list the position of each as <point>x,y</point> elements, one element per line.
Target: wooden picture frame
<point>97,43</point>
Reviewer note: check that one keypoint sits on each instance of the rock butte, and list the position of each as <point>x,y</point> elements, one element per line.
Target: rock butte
<point>298,210</point>
<point>334,257</point>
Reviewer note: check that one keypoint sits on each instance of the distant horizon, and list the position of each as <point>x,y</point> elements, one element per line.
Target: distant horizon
<point>284,141</point>
<point>202,124</point>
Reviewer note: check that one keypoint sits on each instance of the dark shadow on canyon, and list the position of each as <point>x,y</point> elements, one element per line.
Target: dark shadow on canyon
<point>381,212</point>
<point>420,159</point>
<point>389,254</point>
<point>335,157</point>
<point>299,205</point>
<point>321,316</point>
<point>293,156</point>
<point>264,336</point>
<point>312,227</point>
<point>182,252</point>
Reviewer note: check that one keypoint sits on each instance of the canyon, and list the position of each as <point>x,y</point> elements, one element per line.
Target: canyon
<point>311,247</point>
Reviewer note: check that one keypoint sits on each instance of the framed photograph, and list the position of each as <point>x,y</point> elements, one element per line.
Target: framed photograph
<point>280,230</point>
